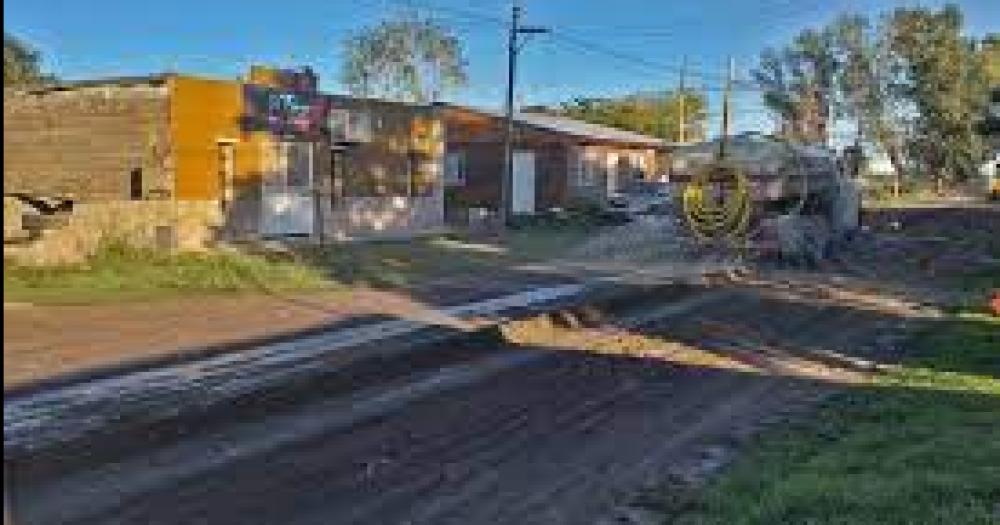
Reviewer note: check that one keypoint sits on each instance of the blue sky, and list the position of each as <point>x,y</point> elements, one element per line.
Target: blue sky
<point>221,38</point>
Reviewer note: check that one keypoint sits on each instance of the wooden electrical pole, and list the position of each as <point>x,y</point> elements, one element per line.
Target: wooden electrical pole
<point>508,138</point>
<point>513,47</point>
<point>726,107</point>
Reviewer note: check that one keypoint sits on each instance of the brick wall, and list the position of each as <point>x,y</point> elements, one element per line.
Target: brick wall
<point>484,170</point>
<point>84,142</point>
<point>392,185</point>
<point>401,135</point>
<point>557,161</point>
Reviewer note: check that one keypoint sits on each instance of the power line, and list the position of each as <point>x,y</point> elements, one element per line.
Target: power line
<point>580,43</point>
<point>662,30</point>
<point>577,43</point>
<point>566,36</point>
<point>614,53</point>
<point>647,66</point>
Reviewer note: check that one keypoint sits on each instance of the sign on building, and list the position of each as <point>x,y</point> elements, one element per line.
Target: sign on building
<point>283,112</point>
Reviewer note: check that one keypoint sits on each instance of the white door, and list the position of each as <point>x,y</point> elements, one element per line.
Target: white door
<point>612,171</point>
<point>523,186</point>
<point>287,199</point>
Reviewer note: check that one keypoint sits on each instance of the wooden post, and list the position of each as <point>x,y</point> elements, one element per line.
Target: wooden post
<point>726,106</point>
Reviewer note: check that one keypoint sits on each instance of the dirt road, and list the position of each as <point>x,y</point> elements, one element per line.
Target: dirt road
<point>566,421</point>
<point>565,436</point>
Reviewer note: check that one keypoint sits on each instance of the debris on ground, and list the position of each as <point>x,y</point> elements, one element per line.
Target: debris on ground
<point>647,238</point>
<point>802,239</point>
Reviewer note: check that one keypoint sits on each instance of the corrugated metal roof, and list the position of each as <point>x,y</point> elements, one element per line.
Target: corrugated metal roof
<point>574,127</point>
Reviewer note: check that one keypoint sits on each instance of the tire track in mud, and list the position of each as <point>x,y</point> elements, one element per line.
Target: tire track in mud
<point>564,375</point>
<point>494,485</point>
<point>561,440</point>
<point>746,403</point>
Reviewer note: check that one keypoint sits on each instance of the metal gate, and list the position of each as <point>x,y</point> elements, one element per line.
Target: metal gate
<point>287,196</point>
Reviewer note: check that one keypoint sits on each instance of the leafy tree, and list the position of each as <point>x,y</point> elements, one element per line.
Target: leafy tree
<point>911,83</point>
<point>653,114</point>
<point>20,63</point>
<point>798,84</point>
<point>867,83</point>
<point>408,58</point>
<point>989,55</point>
<point>947,85</point>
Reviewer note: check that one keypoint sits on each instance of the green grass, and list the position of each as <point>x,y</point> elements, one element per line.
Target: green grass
<point>534,243</point>
<point>978,286</point>
<point>120,273</point>
<point>922,445</point>
<point>409,263</point>
<point>117,273</point>
<point>395,264</point>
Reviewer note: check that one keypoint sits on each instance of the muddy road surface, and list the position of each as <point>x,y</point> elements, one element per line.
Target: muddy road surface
<point>562,419</point>
<point>570,418</point>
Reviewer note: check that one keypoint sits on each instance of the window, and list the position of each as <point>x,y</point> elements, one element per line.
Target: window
<point>135,184</point>
<point>349,125</point>
<point>455,168</point>
<point>360,126</point>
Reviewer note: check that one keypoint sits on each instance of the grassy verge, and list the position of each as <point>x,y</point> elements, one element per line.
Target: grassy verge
<point>397,264</point>
<point>407,263</point>
<point>535,243</point>
<point>116,273</point>
<point>920,446</point>
<point>119,273</point>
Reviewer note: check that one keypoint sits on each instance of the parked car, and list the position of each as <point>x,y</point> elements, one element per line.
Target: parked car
<point>641,197</point>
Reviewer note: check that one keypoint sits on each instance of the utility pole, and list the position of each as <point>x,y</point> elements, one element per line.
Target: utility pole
<point>681,116</point>
<point>513,48</point>
<point>726,107</point>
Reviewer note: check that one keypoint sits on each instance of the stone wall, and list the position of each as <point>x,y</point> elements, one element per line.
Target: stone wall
<point>170,225</point>
<point>84,142</point>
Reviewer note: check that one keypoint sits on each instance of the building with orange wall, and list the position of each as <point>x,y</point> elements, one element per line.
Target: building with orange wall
<point>182,161</point>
